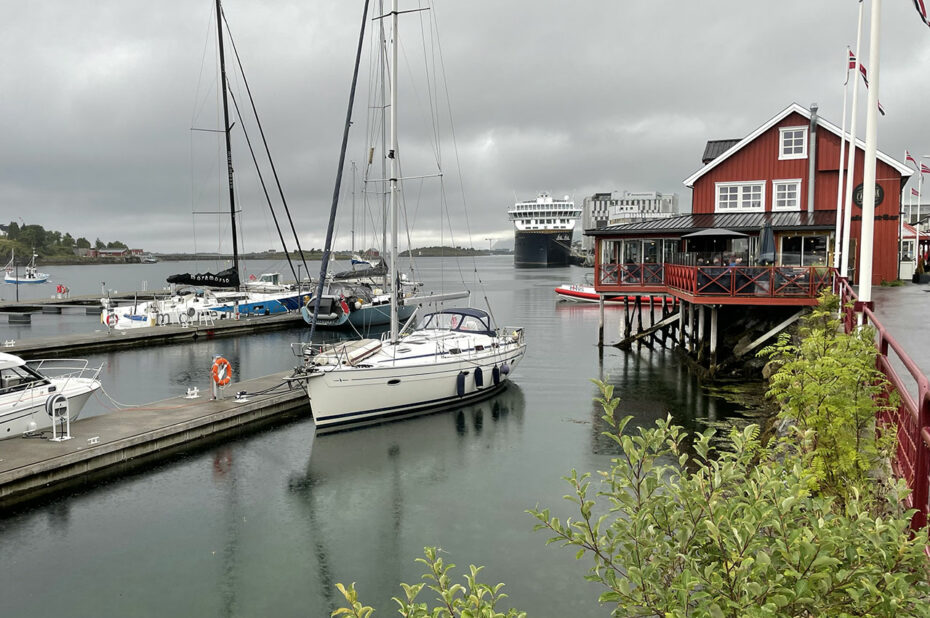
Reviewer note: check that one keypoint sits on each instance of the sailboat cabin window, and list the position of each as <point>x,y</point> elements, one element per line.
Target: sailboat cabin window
<point>792,143</point>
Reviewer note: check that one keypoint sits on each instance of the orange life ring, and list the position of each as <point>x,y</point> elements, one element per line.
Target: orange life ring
<point>222,372</point>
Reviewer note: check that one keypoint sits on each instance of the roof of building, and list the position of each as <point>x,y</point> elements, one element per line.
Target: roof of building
<point>715,148</point>
<point>793,108</point>
<point>738,222</point>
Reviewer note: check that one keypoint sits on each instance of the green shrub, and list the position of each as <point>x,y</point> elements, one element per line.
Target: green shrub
<point>679,530</point>
<point>828,382</point>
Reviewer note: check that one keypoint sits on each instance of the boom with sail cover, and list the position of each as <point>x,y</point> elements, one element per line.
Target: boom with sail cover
<point>228,278</point>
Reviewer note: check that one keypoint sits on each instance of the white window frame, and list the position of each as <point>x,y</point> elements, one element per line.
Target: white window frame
<point>786,181</point>
<point>740,208</point>
<point>782,156</point>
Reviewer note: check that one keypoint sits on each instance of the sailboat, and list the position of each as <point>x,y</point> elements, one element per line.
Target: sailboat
<point>452,356</point>
<point>201,302</point>
<point>30,273</point>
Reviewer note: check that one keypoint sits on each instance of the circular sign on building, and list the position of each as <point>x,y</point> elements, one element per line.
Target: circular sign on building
<point>857,195</point>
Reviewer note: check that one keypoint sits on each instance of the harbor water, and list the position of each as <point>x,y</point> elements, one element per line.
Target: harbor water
<point>267,521</point>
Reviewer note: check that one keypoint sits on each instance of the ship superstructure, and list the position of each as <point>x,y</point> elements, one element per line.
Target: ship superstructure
<point>543,229</point>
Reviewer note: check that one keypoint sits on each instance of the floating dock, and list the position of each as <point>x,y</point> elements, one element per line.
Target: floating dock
<point>112,443</point>
<point>103,340</point>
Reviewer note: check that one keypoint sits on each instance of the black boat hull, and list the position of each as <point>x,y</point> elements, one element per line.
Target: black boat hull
<point>542,248</point>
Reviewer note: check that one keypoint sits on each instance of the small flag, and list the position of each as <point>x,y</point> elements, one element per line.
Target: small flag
<point>924,169</point>
<point>909,157</point>
<point>922,10</point>
<point>914,192</point>
<point>852,59</point>
<point>881,109</point>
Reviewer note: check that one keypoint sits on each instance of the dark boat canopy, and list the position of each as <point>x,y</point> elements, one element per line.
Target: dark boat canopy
<point>379,270</point>
<point>228,278</point>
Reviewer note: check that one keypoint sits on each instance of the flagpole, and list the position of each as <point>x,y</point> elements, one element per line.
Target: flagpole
<point>837,235</point>
<point>851,165</point>
<point>920,184</point>
<point>900,236</point>
<point>871,150</point>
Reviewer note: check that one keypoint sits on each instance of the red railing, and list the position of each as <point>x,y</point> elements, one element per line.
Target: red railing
<point>740,281</point>
<point>912,413</point>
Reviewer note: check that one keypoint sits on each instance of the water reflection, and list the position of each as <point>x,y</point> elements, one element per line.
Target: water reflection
<point>651,385</point>
<point>394,470</point>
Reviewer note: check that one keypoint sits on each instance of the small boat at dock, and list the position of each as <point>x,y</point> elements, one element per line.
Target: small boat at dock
<point>35,394</point>
<point>580,293</point>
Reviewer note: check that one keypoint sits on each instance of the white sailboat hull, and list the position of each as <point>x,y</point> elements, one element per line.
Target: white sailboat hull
<point>417,374</point>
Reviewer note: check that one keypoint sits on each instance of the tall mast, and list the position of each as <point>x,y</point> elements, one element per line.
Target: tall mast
<point>392,155</point>
<point>384,205</point>
<point>226,130</point>
<point>353,208</point>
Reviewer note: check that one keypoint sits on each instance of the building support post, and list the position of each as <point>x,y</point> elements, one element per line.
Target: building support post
<point>681,324</point>
<point>600,322</point>
<point>700,336</point>
<point>713,339</point>
<point>691,327</point>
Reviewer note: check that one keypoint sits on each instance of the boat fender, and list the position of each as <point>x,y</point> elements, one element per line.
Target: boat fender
<point>56,405</point>
<point>343,304</point>
<point>479,377</point>
<point>505,369</point>
<point>358,304</point>
<point>496,375</point>
<point>460,383</point>
<point>221,372</point>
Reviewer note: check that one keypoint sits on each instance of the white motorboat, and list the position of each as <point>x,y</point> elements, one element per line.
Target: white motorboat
<point>35,394</point>
<point>30,272</point>
<point>452,356</point>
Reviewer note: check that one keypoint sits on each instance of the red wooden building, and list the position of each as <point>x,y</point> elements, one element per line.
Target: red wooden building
<point>784,176</point>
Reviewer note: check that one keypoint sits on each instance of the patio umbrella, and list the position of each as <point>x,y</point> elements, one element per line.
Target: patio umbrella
<point>767,244</point>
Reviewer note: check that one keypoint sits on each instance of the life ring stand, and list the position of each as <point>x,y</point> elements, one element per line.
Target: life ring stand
<point>221,372</point>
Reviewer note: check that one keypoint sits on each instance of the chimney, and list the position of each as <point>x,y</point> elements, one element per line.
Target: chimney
<point>812,160</point>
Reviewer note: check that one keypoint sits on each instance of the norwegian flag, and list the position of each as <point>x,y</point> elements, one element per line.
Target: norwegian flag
<point>852,59</point>
<point>922,11</point>
<point>914,192</point>
<point>924,169</point>
<point>881,110</point>
<point>909,157</point>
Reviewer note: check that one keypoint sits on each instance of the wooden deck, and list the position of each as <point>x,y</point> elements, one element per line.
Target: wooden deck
<point>111,443</point>
<point>718,285</point>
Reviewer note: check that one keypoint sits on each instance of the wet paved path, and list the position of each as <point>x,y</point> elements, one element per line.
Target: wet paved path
<point>905,313</point>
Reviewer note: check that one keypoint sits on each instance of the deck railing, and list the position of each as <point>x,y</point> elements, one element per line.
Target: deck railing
<point>911,415</point>
<point>739,281</point>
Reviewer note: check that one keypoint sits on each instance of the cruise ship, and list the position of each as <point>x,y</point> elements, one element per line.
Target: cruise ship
<point>543,230</point>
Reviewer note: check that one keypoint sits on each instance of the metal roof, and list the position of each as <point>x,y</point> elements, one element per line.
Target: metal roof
<point>739,222</point>
<point>717,147</point>
<point>903,169</point>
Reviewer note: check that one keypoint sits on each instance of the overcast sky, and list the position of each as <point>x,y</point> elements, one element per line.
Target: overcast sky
<point>97,102</point>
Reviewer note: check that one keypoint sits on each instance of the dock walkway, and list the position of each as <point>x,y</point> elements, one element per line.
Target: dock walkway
<point>103,340</point>
<point>30,467</point>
